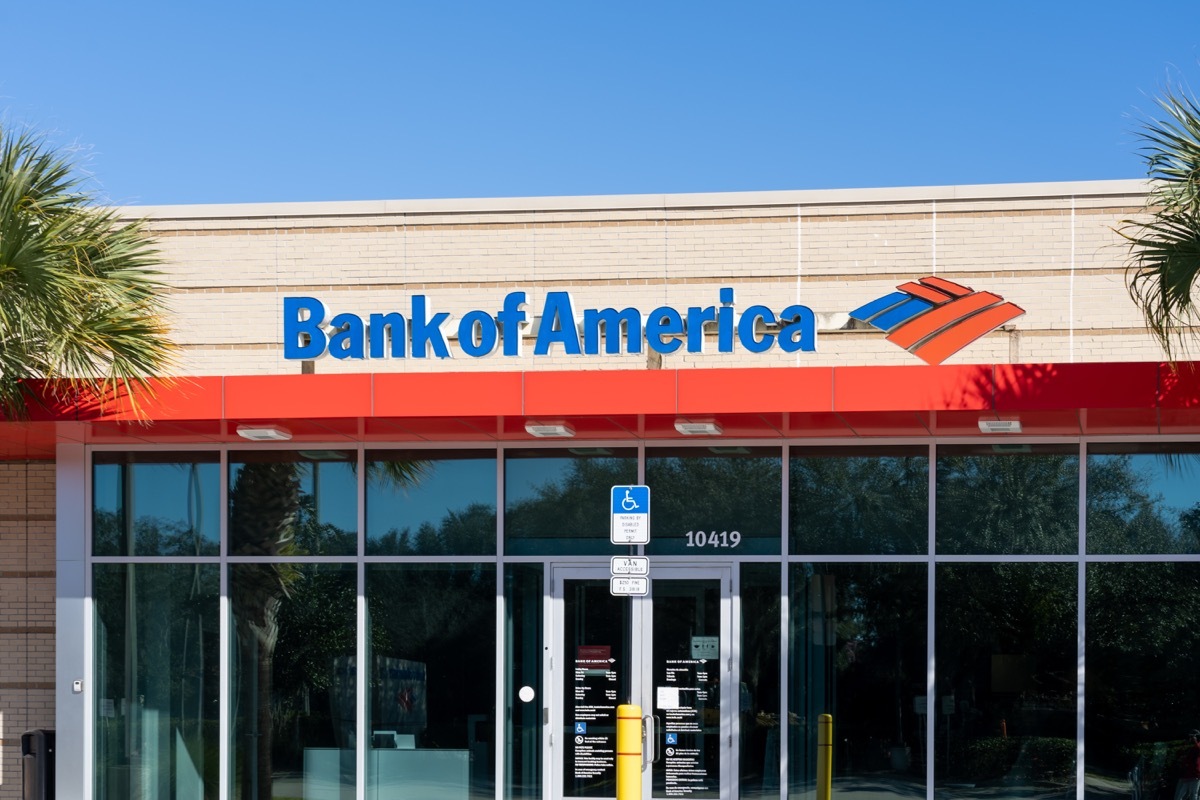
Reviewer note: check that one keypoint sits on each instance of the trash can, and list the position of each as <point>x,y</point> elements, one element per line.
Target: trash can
<point>37,764</point>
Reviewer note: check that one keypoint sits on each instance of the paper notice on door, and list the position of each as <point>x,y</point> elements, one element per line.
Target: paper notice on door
<point>668,697</point>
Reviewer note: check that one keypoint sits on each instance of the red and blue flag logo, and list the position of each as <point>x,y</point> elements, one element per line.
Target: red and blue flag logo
<point>934,318</point>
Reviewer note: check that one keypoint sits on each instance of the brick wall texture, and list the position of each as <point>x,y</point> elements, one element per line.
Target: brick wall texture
<point>1057,254</point>
<point>26,611</point>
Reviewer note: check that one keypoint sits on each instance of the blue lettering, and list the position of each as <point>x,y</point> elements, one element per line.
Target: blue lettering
<point>696,317</point>
<point>512,322</point>
<point>346,341</point>
<point>477,322</point>
<point>747,325</point>
<point>725,322</point>
<point>558,325</point>
<point>799,330</point>
<point>303,338</point>
<point>384,327</point>
<point>612,320</point>
<point>663,321</point>
<point>427,331</point>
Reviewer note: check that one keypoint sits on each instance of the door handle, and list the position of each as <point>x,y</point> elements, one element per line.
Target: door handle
<point>650,750</point>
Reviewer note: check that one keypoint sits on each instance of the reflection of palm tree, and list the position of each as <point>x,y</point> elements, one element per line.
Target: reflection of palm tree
<point>266,503</point>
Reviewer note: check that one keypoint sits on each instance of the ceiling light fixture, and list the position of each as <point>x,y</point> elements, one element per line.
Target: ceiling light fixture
<point>549,430</point>
<point>1000,426</point>
<point>264,433</point>
<point>697,427</point>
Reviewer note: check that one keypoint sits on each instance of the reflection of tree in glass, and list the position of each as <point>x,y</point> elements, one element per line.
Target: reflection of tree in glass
<point>469,531</point>
<point>270,516</point>
<point>869,504</point>
<point>575,504</point>
<point>715,492</point>
<point>1026,503</point>
<point>1126,515</point>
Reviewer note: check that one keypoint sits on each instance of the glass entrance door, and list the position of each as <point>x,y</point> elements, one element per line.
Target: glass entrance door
<point>670,653</point>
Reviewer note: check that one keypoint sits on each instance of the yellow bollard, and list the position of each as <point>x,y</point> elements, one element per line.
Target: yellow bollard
<point>825,757</point>
<point>629,752</point>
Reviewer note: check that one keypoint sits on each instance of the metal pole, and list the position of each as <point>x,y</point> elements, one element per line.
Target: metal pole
<point>825,757</point>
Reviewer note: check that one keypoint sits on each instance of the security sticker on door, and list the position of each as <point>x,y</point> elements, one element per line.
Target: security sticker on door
<point>706,647</point>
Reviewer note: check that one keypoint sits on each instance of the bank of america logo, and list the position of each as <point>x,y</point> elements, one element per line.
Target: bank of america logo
<point>934,318</point>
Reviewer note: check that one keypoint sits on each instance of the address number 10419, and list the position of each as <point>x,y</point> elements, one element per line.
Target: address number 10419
<point>713,538</point>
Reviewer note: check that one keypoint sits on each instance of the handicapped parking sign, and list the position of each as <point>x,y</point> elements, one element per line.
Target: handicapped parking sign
<point>630,515</point>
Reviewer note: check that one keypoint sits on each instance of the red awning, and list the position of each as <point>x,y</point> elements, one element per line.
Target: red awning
<point>766,403</point>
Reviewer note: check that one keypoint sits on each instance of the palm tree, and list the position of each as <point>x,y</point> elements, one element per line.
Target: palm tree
<point>1164,247</point>
<point>79,304</point>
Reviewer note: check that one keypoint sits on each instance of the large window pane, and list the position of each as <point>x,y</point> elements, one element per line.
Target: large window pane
<point>284,503</point>
<point>1143,498</point>
<point>997,500</point>
<point>431,502</point>
<point>292,681</point>
<point>523,683</point>
<point>557,501</point>
<point>157,635</point>
<point>1143,635</point>
<point>858,653</point>
<point>1006,680</point>
<point>155,504</point>
<point>719,501</point>
<point>859,500</point>
<point>432,689</point>
<point>758,694</point>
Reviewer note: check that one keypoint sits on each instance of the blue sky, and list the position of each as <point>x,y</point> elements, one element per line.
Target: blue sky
<point>253,101</point>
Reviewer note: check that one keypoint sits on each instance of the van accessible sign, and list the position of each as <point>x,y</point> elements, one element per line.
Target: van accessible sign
<point>309,332</point>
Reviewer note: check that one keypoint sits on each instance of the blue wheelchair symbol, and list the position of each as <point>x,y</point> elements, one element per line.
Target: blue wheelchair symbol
<point>581,727</point>
<point>672,738</point>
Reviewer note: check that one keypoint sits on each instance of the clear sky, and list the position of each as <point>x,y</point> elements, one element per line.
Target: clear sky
<point>263,101</point>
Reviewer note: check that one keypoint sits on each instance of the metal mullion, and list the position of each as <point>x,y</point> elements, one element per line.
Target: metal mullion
<point>1081,628</point>
<point>785,611</point>
<point>225,628</point>
<point>931,560</point>
<point>500,703</point>
<point>361,634</point>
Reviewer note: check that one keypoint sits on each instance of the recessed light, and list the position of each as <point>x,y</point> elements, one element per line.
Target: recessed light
<point>1000,425</point>
<point>697,428</point>
<point>264,433</point>
<point>549,430</point>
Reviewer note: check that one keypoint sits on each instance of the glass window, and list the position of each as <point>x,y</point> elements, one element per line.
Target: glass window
<point>157,635</point>
<point>1007,499</point>
<point>858,653</point>
<point>1006,680</point>
<point>284,503</point>
<point>523,682</point>
<point>1143,634</point>
<point>431,502</point>
<point>758,694</point>
<point>155,504</point>
<point>715,500</point>
<point>432,684</point>
<point>292,681</point>
<point>1143,498</point>
<point>858,500</point>
<point>557,501</point>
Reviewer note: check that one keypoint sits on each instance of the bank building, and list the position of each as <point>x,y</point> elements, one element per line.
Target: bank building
<point>441,483</point>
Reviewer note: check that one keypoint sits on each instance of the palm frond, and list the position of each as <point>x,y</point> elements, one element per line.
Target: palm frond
<point>1163,264</point>
<point>80,298</point>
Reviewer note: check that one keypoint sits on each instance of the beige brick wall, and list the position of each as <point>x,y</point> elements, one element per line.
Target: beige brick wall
<point>1049,248</point>
<point>26,611</point>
